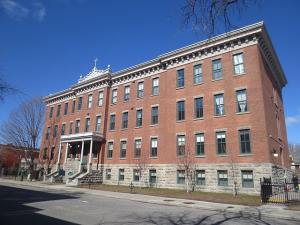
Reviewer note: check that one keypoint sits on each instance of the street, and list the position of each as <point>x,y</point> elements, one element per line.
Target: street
<point>32,205</point>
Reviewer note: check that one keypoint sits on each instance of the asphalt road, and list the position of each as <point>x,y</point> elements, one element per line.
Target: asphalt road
<point>30,205</point>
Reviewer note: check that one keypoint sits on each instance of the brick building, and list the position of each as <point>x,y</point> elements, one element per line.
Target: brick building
<point>210,114</point>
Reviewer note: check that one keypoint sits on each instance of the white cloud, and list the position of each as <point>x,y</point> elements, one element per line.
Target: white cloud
<point>14,10</point>
<point>39,12</point>
<point>291,120</point>
<point>17,11</point>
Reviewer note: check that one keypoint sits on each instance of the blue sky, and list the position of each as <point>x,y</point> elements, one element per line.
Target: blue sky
<point>46,45</point>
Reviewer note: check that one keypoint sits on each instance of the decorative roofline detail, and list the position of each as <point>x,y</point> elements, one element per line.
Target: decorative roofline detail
<point>240,38</point>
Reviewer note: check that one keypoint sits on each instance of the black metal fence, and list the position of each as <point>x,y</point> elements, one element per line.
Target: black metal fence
<point>285,193</point>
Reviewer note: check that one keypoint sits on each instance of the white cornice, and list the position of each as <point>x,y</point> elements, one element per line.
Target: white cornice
<point>231,41</point>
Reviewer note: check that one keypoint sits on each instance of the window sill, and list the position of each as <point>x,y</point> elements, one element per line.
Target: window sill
<point>220,116</point>
<point>217,79</point>
<point>64,115</point>
<point>236,75</point>
<point>198,84</point>
<point>99,105</point>
<point>154,157</point>
<point>154,95</point>
<point>122,158</point>
<point>243,155</point>
<point>125,101</point>
<point>138,127</point>
<point>136,158</point>
<point>111,130</point>
<point>124,129</point>
<point>221,155</point>
<point>241,113</point>
<point>200,156</point>
<point>180,156</point>
<point>153,125</point>
<point>180,88</point>
<point>139,98</point>
<point>202,118</point>
<point>109,158</point>
<point>180,121</point>
<point>113,104</point>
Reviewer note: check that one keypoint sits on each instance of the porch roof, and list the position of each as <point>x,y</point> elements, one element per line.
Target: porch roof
<point>86,136</point>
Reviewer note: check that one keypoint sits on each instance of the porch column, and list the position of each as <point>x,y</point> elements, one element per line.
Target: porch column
<point>91,149</point>
<point>59,153</point>
<point>82,147</point>
<point>67,152</point>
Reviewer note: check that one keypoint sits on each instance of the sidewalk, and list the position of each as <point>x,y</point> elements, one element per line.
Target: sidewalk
<point>272,211</point>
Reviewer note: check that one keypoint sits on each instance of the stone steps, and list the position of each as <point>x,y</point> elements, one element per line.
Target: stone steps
<point>95,177</point>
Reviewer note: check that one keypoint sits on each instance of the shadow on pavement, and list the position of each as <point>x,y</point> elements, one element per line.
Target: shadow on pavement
<point>13,209</point>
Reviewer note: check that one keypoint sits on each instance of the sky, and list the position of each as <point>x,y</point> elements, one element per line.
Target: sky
<point>45,45</point>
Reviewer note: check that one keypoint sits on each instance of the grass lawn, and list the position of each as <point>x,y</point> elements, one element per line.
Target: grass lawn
<point>240,199</point>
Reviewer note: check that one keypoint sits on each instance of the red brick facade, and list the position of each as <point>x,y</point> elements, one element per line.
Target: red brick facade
<point>262,80</point>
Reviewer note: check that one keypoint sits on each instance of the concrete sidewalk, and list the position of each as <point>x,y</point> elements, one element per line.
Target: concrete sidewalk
<point>261,211</point>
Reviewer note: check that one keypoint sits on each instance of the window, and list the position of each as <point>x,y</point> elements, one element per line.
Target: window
<point>51,113</point>
<point>198,108</point>
<point>139,118</point>
<point>63,129</point>
<point>153,152</point>
<point>90,99</point>
<point>219,105</point>
<point>98,123</point>
<point>247,179</point>
<point>110,150</point>
<point>87,125</point>
<point>198,74</point>
<point>125,120</point>
<point>137,152</point>
<point>245,146</point>
<point>238,63</point>
<point>114,96</point>
<point>217,69</point>
<point>58,111</point>
<point>152,176</point>
<point>77,126</point>
<point>221,143</point>
<point>79,103</point>
<point>180,177</point>
<point>180,145</point>
<point>48,133</point>
<point>55,131</point>
<point>180,111</point>
<point>154,115</point>
<point>66,108</point>
<point>52,153</point>
<point>108,174</point>
<point>200,145</point>
<point>136,176</point>
<point>73,106</point>
<point>126,93</point>
<point>45,153</point>
<point>71,128</point>
<point>123,149</point>
<point>112,122</point>
<point>222,178</point>
<point>180,78</point>
<point>155,83</point>
<point>121,174</point>
<point>140,89</point>
<point>100,98</point>
<point>241,98</point>
<point>200,177</point>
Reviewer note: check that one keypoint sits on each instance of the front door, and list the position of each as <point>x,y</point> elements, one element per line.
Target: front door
<point>85,153</point>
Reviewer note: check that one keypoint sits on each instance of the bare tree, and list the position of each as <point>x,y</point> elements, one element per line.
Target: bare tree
<point>23,128</point>
<point>294,147</point>
<point>186,163</point>
<point>203,16</point>
<point>52,142</point>
<point>234,169</point>
<point>6,89</point>
<point>140,165</point>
